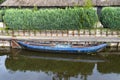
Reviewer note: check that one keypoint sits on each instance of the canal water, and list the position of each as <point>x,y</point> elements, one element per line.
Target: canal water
<point>27,65</point>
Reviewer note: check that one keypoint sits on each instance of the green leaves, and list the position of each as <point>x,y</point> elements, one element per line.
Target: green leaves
<point>1,1</point>
<point>1,18</point>
<point>110,17</point>
<point>50,19</point>
<point>88,3</point>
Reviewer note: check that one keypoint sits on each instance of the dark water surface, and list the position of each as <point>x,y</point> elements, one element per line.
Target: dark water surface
<point>28,65</point>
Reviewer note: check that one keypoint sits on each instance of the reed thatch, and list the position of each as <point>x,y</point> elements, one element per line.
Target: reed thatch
<point>58,2</point>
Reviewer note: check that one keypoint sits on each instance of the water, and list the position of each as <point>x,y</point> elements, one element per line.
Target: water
<point>28,65</point>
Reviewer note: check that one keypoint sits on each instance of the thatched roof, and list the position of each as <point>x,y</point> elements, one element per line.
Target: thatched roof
<point>58,2</point>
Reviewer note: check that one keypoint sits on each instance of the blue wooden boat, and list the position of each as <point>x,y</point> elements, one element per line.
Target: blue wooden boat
<point>62,48</point>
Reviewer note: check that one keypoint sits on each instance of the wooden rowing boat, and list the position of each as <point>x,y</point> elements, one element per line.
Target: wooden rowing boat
<point>62,48</point>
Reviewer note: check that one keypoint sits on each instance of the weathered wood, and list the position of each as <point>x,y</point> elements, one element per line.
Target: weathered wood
<point>82,32</point>
<point>14,44</point>
<point>64,38</point>
<point>59,3</point>
<point>71,36</point>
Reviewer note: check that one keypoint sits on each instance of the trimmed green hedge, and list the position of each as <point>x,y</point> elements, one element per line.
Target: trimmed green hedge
<point>1,1</point>
<point>110,17</point>
<point>2,13</point>
<point>1,17</point>
<point>50,19</point>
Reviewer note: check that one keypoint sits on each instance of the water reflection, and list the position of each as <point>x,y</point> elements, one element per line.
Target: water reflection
<point>68,66</point>
<point>26,65</point>
<point>113,66</point>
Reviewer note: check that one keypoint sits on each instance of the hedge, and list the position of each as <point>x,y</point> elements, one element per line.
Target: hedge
<point>2,13</point>
<point>1,17</point>
<point>1,1</point>
<point>110,17</point>
<point>50,19</point>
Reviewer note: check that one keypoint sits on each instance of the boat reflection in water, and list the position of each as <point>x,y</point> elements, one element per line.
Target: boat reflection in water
<point>39,66</point>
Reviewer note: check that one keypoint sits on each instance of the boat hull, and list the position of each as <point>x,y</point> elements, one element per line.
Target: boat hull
<point>92,49</point>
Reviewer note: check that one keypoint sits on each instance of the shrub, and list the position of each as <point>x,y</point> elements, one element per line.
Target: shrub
<point>2,13</point>
<point>50,19</point>
<point>1,1</point>
<point>110,17</point>
<point>1,17</point>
